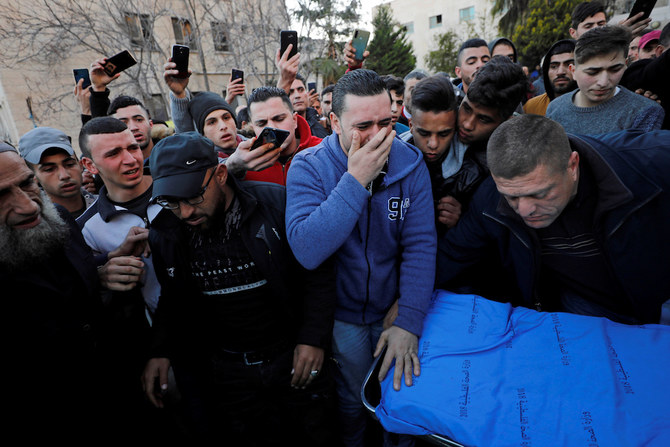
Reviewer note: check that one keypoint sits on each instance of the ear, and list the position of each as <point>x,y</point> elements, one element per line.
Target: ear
<point>335,123</point>
<point>573,165</point>
<point>573,33</point>
<point>89,165</point>
<point>457,71</point>
<point>409,121</point>
<point>571,69</point>
<point>221,174</point>
<point>659,50</point>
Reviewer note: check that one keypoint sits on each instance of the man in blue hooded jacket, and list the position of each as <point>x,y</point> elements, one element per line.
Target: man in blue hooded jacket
<point>364,197</point>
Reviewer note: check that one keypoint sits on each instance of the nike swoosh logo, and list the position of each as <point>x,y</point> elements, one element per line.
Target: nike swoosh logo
<point>190,162</point>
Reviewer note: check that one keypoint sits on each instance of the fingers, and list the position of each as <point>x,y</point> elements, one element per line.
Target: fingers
<point>307,364</point>
<point>121,273</point>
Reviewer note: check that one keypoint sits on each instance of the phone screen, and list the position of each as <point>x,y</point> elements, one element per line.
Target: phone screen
<point>237,74</point>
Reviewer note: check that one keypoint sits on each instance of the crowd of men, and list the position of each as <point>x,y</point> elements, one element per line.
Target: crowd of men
<point>189,284</point>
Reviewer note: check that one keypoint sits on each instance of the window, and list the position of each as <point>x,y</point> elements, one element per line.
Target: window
<point>220,36</point>
<point>409,27</point>
<point>183,33</point>
<point>435,21</point>
<point>466,14</point>
<point>139,29</point>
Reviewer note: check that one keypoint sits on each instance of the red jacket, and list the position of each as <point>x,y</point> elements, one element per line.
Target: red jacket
<point>277,172</point>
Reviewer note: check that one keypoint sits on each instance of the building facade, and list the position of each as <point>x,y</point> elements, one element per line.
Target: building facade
<point>44,41</point>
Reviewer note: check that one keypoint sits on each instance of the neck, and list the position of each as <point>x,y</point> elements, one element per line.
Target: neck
<point>146,151</point>
<point>72,204</point>
<point>122,195</point>
<point>580,100</point>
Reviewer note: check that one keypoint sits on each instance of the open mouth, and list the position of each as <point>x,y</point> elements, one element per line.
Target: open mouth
<point>132,172</point>
<point>68,187</point>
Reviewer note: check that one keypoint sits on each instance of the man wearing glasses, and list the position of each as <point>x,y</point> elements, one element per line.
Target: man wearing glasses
<point>244,325</point>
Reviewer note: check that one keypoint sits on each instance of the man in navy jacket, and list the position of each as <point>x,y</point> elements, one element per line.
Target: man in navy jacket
<point>579,222</point>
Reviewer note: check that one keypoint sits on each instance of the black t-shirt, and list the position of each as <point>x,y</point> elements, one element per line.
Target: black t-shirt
<point>572,257</point>
<point>241,310</point>
<point>138,205</point>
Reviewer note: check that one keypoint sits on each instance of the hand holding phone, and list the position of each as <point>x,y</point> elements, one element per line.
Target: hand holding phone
<point>82,73</point>
<point>118,63</point>
<point>288,38</point>
<point>270,135</point>
<point>237,74</point>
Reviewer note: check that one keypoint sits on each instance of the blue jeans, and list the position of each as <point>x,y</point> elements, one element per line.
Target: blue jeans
<point>353,349</point>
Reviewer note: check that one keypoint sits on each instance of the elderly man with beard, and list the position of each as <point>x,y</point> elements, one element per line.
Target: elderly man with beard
<point>50,291</point>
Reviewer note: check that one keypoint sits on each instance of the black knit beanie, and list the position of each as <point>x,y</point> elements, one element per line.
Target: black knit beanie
<point>204,103</point>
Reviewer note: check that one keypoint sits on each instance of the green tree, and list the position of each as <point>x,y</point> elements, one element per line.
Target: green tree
<point>547,21</point>
<point>445,56</point>
<point>390,51</point>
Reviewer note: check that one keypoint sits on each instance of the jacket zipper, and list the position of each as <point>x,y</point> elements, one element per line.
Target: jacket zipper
<point>367,261</point>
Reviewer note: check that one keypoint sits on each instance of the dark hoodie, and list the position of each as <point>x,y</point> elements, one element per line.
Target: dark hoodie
<point>549,89</point>
<point>504,40</point>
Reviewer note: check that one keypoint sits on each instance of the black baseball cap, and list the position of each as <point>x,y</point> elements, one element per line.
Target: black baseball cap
<point>178,164</point>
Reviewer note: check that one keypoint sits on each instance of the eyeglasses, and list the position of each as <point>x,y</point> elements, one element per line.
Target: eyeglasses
<point>172,203</point>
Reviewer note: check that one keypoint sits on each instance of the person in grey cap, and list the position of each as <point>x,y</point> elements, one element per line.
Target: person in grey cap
<point>237,315</point>
<point>50,155</point>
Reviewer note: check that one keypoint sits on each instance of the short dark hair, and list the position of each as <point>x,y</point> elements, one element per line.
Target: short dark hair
<point>361,82</point>
<point>601,41</point>
<point>327,89</point>
<point>97,126</point>
<point>394,83</point>
<point>664,39</point>
<point>500,84</point>
<point>521,144</point>
<point>585,10</point>
<point>125,101</point>
<point>475,42</point>
<point>415,74</point>
<point>262,94</point>
<point>433,94</point>
<point>243,116</point>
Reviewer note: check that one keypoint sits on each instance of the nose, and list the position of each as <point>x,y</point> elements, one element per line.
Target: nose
<point>432,142</point>
<point>24,204</point>
<point>185,210</point>
<point>603,78</point>
<point>63,173</point>
<point>468,122</point>
<point>526,207</point>
<point>128,158</point>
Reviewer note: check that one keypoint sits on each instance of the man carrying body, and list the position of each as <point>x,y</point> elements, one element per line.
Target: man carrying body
<point>363,197</point>
<point>238,316</point>
<point>556,74</point>
<point>271,107</point>
<point>600,105</point>
<point>51,156</point>
<point>472,55</point>
<point>580,222</point>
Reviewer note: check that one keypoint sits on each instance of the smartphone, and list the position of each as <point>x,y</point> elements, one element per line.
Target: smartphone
<point>359,42</point>
<point>311,86</point>
<point>119,62</point>
<point>180,57</point>
<point>82,73</point>
<point>642,6</point>
<point>271,135</point>
<point>237,74</point>
<point>286,38</point>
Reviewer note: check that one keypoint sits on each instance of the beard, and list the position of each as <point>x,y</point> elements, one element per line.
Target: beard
<point>24,248</point>
<point>570,86</point>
